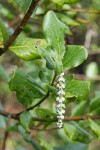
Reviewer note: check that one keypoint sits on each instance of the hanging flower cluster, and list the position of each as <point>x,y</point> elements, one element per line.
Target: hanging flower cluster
<point>60,107</point>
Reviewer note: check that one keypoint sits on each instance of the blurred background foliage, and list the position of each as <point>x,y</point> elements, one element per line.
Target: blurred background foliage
<point>83,29</point>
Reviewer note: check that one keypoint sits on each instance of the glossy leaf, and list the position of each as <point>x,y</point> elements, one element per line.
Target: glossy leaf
<point>27,88</point>
<point>54,31</point>
<point>49,56</point>
<point>26,49</point>
<point>74,56</point>
<point>40,70</point>
<point>77,88</point>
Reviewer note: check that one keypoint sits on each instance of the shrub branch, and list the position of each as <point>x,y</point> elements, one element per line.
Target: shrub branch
<point>20,27</point>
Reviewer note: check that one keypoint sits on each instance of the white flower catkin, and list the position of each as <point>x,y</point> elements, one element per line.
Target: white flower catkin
<point>60,107</point>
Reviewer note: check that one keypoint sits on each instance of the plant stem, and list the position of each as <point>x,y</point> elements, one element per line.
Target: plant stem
<point>4,140</point>
<point>70,118</point>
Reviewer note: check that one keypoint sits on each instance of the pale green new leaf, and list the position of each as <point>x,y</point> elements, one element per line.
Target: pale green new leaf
<point>54,31</point>
<point>74,56</point>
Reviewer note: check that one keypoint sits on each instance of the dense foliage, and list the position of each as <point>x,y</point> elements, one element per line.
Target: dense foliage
<point>52,42</point>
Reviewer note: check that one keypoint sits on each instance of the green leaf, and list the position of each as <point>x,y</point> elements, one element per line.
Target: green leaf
<point>29,138</point>
<point>45,114</point>
<point>74,56</point>
<point>49,56</point>
<point>73,146</point>
<point>68,20</point>
<point>24,4</point>
<point>25,120</point>
<point>70,97</point>
<point>79,109</point>
<point>75,133</point>
<point>27,88</point>
<point>44,143</point>
<point>95,111</point>
<point>70,131</point>
<point>54,31</point>
<point>92,70</point>
<point>49,63</point>
<point>77,88</point>
<point>1,40</point>
<point>95,102</point>
<point>71,1</point>
<point>26,49</point>
<point>6,12</point>
<point>83,136</point>
<point>95,4</point>
<point>46,75</point>
<point>95,128</point>
<point>3,32</point>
